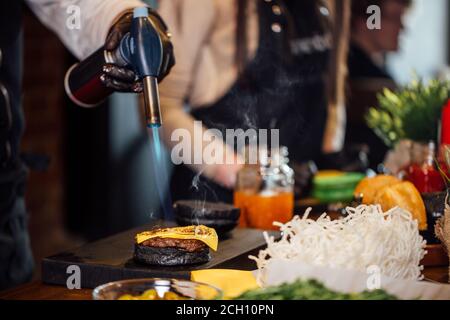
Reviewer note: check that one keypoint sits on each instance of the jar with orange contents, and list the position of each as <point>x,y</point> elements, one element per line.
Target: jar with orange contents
<point>265,191</point>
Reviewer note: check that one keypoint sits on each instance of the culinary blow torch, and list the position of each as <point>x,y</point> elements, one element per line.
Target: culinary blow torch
<point>142,50</point>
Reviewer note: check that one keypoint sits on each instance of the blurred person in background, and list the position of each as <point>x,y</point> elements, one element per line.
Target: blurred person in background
<point>254,64</point>
<point>367,69</point>
<point>99,20</point>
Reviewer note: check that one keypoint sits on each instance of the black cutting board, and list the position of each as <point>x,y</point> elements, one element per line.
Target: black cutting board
<point>110,259</point>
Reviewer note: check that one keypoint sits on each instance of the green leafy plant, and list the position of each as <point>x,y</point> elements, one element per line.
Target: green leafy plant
<point>412,112</point>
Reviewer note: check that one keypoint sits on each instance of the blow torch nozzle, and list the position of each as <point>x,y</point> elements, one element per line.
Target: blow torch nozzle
<point>146,51</point>
<point>151,102</point>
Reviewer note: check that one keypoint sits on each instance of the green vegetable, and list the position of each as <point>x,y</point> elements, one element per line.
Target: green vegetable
<point>310,290</point>
<point>413,112</point>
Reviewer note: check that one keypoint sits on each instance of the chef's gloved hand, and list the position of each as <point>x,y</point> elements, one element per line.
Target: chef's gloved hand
<point>123,79</point>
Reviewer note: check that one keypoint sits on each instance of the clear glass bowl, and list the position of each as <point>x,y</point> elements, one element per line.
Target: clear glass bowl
<point>135,287</point>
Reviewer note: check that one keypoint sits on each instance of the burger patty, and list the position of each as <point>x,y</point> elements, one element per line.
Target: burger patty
<point>190,245</point>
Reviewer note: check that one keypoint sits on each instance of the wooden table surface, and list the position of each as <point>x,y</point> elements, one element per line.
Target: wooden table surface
<point>39,291</point>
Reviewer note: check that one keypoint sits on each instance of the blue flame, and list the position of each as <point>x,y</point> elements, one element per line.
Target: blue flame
<point>161,175</point>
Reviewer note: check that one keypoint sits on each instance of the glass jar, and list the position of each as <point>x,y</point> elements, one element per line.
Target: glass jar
<point>265,191</point>
<point>422,171</point>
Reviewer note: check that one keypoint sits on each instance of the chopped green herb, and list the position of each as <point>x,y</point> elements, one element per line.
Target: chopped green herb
<point>310,290</point>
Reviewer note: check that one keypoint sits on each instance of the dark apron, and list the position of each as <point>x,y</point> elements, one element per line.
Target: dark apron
<point>16,261</point>
<point>282,88</point>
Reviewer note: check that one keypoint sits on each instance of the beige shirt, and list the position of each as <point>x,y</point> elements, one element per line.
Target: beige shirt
<point>95,19</point>
<point>203,34</point>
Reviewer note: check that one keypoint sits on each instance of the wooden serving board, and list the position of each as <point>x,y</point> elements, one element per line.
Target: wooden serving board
<point>436,256</point>
<point>110,259</point>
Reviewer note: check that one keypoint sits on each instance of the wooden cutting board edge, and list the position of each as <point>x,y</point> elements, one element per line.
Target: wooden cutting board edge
<point>436,256</point>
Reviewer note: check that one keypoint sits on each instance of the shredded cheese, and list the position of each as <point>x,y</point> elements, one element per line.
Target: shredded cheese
<point>367,236</point>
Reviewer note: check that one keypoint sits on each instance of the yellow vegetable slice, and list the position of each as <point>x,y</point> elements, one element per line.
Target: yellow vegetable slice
<point>329,173</point>
<point>202,233</point>
<point>406,196</point>
<point>232,282</point>
<point>369,187</point>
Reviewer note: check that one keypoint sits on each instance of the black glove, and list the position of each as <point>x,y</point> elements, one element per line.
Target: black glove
<point>303,175</point>
<point>123,79</point>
